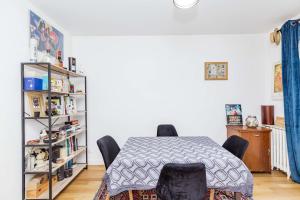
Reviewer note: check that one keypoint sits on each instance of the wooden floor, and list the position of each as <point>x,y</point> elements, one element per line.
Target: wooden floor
<point>273,186</point>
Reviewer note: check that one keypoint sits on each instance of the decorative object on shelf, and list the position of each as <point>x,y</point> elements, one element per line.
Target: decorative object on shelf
<point>72,88</point>
<point>59,61</point>
<point>234,114</point>
<point>277,82</point>
<point>61,173</point>
<point>45,81</point>
<point>38,185</point>
<point>57,85</point>
<point>36,104</point>
<point>267,114</point>
<point>72,64</point>
<point>57,106</point>
<point>275,36</point>
<point>216,71</point>
<point>32,142</point>
<point>41,157</point>
<point>71,107</point>
<point>54,137</point>
<point>49,39</point>
<point>32,83</point>
<point>251,122</point>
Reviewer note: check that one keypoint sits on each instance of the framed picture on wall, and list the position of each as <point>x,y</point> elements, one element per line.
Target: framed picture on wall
<point>277,87</point>
<point>45,40</point>
<point>216,70</point>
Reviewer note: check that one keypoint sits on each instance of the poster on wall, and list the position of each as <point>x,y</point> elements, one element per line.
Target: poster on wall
<point>46,42</point>
<point>234,114</point>
<point>277,82</point>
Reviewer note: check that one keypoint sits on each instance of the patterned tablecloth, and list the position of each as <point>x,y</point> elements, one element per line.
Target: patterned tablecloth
<point>138,165</point>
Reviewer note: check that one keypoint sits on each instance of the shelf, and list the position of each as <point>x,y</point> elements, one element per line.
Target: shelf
<point>59,186</point>
<point>57,142</point>
<point>56,93</point>
<point>57,166</point>
<point>54,69</point>
<point>58,116</point>
<point>51,123</point>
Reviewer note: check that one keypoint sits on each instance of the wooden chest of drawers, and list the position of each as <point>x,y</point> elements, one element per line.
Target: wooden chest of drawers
<point>258,155</point>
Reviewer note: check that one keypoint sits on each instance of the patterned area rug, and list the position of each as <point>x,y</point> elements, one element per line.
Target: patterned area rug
<point>151,195</point>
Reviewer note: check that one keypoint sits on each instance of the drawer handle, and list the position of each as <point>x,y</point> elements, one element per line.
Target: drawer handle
<point>256,135</point>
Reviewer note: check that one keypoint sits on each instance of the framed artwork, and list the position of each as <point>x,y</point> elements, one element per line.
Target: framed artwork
<point>45,38</point>
<point>277,87</point>
<point>57,105</point>
<point>216,71</point>
<point>234,114</point>
<point>36,104</point>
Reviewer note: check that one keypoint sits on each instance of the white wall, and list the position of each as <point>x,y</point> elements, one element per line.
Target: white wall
<point>14,47</point>
<point>273,57</point>
<point>138,82</point>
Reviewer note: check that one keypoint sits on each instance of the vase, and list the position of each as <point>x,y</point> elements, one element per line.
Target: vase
<point>251,121</point>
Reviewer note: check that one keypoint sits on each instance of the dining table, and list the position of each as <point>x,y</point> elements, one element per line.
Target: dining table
<point>140,161</point>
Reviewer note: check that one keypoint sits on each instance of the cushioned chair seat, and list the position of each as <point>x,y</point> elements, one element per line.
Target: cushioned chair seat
<point>236,145</point>
<point>109,149</point>
<point>182,182</point>
<point>166,130</point>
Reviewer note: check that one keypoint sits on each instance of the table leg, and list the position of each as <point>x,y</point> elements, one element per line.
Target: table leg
<point>238,195</point>
<point>130,195</point>
<point>107,196</point>
<point>212,194</point>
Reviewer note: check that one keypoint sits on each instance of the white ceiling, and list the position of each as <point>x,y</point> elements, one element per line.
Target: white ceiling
<point>160,17</point>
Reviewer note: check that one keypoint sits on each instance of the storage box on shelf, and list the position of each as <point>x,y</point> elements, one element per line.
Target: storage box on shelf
<point>60,148</point>
<point>38,185</point>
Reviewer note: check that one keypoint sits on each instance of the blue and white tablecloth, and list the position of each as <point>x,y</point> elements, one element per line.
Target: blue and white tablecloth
<point>138,165</point>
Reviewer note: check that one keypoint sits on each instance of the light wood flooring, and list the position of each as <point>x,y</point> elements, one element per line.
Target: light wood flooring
<point>273,186</point>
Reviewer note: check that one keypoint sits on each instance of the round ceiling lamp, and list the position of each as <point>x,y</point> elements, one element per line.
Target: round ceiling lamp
<point>185,3</point>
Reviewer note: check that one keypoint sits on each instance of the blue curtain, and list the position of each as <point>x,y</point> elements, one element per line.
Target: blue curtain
<point>291,92</point>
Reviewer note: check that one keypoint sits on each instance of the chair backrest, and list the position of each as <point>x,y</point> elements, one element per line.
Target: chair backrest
<point>109,149</point>
<point>236,145</point>
<point>166,130</point>
<point>182,182</point>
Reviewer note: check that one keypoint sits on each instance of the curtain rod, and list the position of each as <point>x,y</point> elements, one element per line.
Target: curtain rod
<point>297,20</point>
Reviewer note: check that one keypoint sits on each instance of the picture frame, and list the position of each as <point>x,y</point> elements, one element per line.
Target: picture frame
<point>57,106</point>
<point>277,87</point>
<point>216,70</point>
<point>36,104</point>
<point>234,114</point>
<point>45,39</point>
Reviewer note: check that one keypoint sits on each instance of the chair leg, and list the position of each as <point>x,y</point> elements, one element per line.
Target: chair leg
<point>212,194</point>
<point>130,195</point>
<point>238,196</point>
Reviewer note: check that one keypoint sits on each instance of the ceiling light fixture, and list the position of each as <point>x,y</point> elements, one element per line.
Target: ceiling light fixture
<point>185,3</point>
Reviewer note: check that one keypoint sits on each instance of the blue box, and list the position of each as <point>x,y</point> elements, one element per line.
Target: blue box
<point>33,84</point>
<point>45,82</point>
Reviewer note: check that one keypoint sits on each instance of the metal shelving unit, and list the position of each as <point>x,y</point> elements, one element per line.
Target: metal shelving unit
<point>53,190</point>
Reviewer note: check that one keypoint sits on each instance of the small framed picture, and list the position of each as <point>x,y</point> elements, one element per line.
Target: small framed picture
<point>277,87</point>
<point>234,114</point>
<point>216,71</point>
<point>36,104</point>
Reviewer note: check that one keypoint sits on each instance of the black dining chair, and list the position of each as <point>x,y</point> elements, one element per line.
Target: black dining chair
<point>166,130</point>
<point>236,145</point>
<point>109,149</point>
<point>182,182</point>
